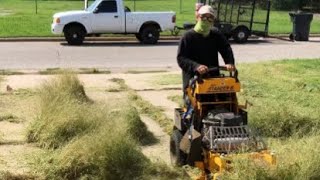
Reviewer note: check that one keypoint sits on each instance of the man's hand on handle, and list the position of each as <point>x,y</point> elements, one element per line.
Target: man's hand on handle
<point>230,67</point>
<point>202,69</point>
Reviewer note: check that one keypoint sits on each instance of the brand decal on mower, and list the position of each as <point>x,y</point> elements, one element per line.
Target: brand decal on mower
<point>214,88</point>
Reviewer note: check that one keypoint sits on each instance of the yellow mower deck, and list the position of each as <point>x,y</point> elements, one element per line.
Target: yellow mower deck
<point>218,163</point>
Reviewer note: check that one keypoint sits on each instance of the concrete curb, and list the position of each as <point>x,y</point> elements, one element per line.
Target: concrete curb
<point>49,39</point>
<point>122,38</point>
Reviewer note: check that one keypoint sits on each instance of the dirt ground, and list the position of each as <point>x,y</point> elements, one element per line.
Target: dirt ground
<point>13,146</point>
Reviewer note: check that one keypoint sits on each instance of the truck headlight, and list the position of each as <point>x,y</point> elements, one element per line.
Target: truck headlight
<point>56,20</point>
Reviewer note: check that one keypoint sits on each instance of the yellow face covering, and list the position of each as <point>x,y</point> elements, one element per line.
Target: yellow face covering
<point>203,27</point>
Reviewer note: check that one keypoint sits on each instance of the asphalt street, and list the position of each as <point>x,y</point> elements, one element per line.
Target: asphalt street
<point>126,55</point>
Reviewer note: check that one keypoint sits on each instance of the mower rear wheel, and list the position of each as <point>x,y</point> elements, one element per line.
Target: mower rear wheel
<point>178,157</point>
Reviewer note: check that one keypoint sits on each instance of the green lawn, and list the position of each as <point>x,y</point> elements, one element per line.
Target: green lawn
<point>284,98</point>
<point>18,17</point>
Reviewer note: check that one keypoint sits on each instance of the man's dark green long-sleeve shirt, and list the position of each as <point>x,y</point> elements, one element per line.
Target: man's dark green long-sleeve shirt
<point>195,49</point>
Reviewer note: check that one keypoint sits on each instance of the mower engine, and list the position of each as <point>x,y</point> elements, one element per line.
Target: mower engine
<point>225,132</point>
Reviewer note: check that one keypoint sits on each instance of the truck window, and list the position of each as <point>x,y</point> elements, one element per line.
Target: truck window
<point>107,7</point>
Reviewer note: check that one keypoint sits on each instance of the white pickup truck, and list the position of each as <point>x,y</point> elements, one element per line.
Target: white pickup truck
<point>111,16</point>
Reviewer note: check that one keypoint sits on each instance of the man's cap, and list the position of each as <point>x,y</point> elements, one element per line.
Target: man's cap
<point>206,10</point>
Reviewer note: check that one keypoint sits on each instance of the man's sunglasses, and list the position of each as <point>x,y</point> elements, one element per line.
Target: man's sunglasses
<point>206,18</point>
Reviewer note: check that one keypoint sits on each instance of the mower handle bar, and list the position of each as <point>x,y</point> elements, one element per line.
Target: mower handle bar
<point>198,76</point>
<point>223,68</point>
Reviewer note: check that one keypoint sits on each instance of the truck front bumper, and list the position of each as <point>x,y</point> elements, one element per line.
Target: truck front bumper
<point>57,28</point>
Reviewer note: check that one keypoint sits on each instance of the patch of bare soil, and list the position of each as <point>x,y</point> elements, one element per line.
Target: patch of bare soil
<point>14,149</point>
<point>145,81</point>
<point>12,132</point>
<point>13,158</point>
<point>160,151</point>
<point>160,99</point>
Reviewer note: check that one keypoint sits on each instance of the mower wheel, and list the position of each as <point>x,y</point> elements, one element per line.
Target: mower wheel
<point>178,157</point>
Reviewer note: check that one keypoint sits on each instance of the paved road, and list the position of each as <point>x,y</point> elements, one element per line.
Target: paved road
<point>115,55</point>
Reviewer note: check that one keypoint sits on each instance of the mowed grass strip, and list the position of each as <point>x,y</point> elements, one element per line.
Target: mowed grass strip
<point>85,140</point>
<point>18,18</point>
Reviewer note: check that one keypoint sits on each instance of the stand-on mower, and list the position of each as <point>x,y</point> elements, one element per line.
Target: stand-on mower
<point>212,128</point>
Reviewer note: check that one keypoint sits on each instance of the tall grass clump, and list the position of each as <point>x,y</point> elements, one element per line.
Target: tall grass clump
<point>297,159</point>
<point>108,152</point>
<point>88,140</point>
<point>67,85</point>
<point>63,112</point>
<point>285,96</point>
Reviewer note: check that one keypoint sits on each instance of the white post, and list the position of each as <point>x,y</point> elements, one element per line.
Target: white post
<point>36,6</point>
<point>85,4</point>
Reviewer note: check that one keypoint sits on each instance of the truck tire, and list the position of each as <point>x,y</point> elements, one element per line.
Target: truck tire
<point>178,157</point>
<point>74,35</point>
<point>138,36</point>
<point>241,34</point>
<point>149,35</point>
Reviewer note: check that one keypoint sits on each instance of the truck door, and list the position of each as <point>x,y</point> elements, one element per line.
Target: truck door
<point>106,17</point>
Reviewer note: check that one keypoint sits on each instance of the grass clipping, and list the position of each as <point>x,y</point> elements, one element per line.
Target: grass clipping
<point>89,140</point>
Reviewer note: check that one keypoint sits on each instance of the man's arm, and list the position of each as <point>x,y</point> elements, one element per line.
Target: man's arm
<point>184,61</point>
<point>225,50</point>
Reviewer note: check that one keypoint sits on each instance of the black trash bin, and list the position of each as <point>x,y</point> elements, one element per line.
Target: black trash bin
<point>301,26</point>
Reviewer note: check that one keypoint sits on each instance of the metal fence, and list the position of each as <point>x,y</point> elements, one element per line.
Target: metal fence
<point>34,17</point>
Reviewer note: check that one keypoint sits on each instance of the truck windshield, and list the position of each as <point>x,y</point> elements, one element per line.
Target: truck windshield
<point>90,8</point>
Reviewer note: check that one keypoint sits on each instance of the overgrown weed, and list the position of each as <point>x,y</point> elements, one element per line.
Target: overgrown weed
<point>87,140</point>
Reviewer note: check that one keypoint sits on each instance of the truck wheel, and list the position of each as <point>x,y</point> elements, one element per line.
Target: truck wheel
<point>241,34</point>
<point>138,36</point>
<point>74,35</point>
<point>178,157</point>
<point>149,35</point>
